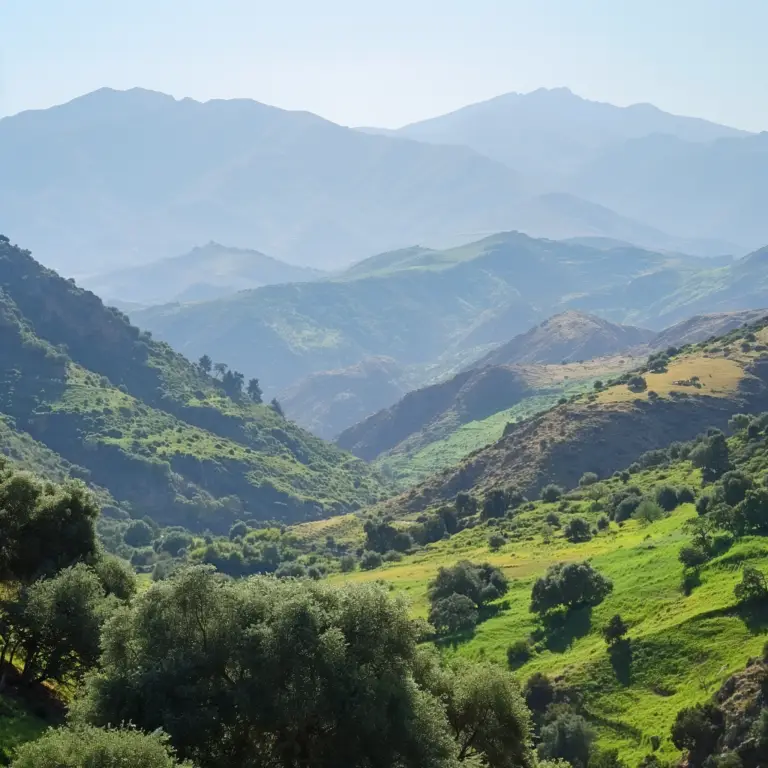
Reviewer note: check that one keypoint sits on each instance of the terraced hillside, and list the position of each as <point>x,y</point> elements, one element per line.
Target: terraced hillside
<point>137,419</point>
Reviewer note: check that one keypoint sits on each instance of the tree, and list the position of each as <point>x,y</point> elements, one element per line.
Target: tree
<point>692,556</point>
<point>615,630</point>
<point>488,717</point>
<point>712,457</point>
<point>370,560</point>
<point>751,515</point>
<point>697,730</point>
<point>551,493</point>
<point>261,671</point>
<point>588,478</point>
<point>205,364</point>
<point>568,737</point>
<point>637,383</point>
<point>666,497</point>
<point>54,626</point>
<point>494,505</point>
<point>220,369</point>
<point>232,384</point>
<point>752,588</point>
<point>577,530</point>
<point>539,693</point>
<point>735,485</point>
<point>572,585</point>
<point>86,747</point>
<point>116,576</point>
<point>480,583</point>
<point>648,511</point>
<point>496,541</point>
<point>276,407</point>
<point>466,505</point>
<point>254,390</point>
<point>607,759</point>
<point>43,528</point>
<point>453,614</point>
<point>138,534</point>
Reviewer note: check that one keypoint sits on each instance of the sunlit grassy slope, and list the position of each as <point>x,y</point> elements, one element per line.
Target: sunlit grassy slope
<point>683,647</point>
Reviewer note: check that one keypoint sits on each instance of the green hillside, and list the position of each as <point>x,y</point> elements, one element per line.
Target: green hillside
<point>413,306</point>
<point>689,628</point>
<point>139,420</point>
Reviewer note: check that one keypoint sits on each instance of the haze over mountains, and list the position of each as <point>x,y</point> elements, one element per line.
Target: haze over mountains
<point>207,272</point>
<point>114,179</point>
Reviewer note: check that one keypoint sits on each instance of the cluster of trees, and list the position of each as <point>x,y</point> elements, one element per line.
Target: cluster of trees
<point>232,382</point>
<point>458,592</point>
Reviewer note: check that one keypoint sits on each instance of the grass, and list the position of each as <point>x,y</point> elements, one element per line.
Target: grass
<point>719,377</point>
<point>18,725</point>
<point>682,648</point>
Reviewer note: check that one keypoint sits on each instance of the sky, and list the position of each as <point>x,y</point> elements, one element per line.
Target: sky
<point>386,64</point>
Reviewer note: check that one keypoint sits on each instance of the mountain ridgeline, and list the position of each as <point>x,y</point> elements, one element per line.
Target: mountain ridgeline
<point>132,416</point>
<point>415,306</point>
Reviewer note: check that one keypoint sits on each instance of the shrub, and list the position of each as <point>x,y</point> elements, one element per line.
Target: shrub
<point>539,693</point>
<point>685,495</point>
<point>603,523</point>
<point>518,653</point>
<point>752,588</point>
<point>588,478</point>
<point>568,738</point>
<point>452,614</point>
<point>648,511</point>
<point>697,730</point>
<point>577,530</point>
<point>551,493</point>
<point>553,519</point>
<point>138,534</point>
<point>572,585</point>
<point>626,508</point>
<point>496,541</point>
<point>692,556</point>
<point>480,583</point>
<point>667,498</point>
<point>87,747</point>
<point>239,529</point>
<point>347,564</point>
<point>735,485</point>
<point>370,560</point>
<point>615,630</point>
<point>637,383</point>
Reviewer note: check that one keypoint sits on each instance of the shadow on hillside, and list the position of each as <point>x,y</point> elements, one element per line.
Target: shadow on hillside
<point>490,611</point>
<point>620,654</point>
<point>560,630</point>
<point>485,612</point>
<point>754,616</point>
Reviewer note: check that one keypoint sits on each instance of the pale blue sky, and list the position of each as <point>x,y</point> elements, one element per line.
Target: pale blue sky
<point>394,61</point>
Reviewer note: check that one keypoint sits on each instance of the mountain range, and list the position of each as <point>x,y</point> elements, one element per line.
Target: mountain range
<point>119,178</point>
<point>206,272</point>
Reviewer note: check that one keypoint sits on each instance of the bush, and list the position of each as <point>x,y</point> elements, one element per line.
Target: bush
<point>347,564</point>
<point>577,530</point>
<point>697,731</point>
<point>138,534</point>
<point>518,653</point>
<point>666,497</point>
<point>370,560</point>
<point>735,485</point>
<point>603,523</point>
<point>685,495</point>
<point>480,583</point>
<point>569,738</point>
<point>496,541</point>
<point>615,630</point>
<point>752,588</point>
<point>553,519</point>
<point>648,512</point>
<point>637,383</point>
<point>87,747</point>
<point>692,556</point>
<point>239,529</point>
<point>572,585</point>
<point>551,493</point>
<point>453,614</point>
<point>539,693</point>
<point>588,478</point>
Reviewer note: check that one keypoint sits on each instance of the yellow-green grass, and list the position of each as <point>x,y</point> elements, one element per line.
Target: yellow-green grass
<point>718,377</point>
<point>682,647</point>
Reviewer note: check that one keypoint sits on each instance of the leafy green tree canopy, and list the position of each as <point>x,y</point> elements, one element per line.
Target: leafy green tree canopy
<point>571,585</point>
